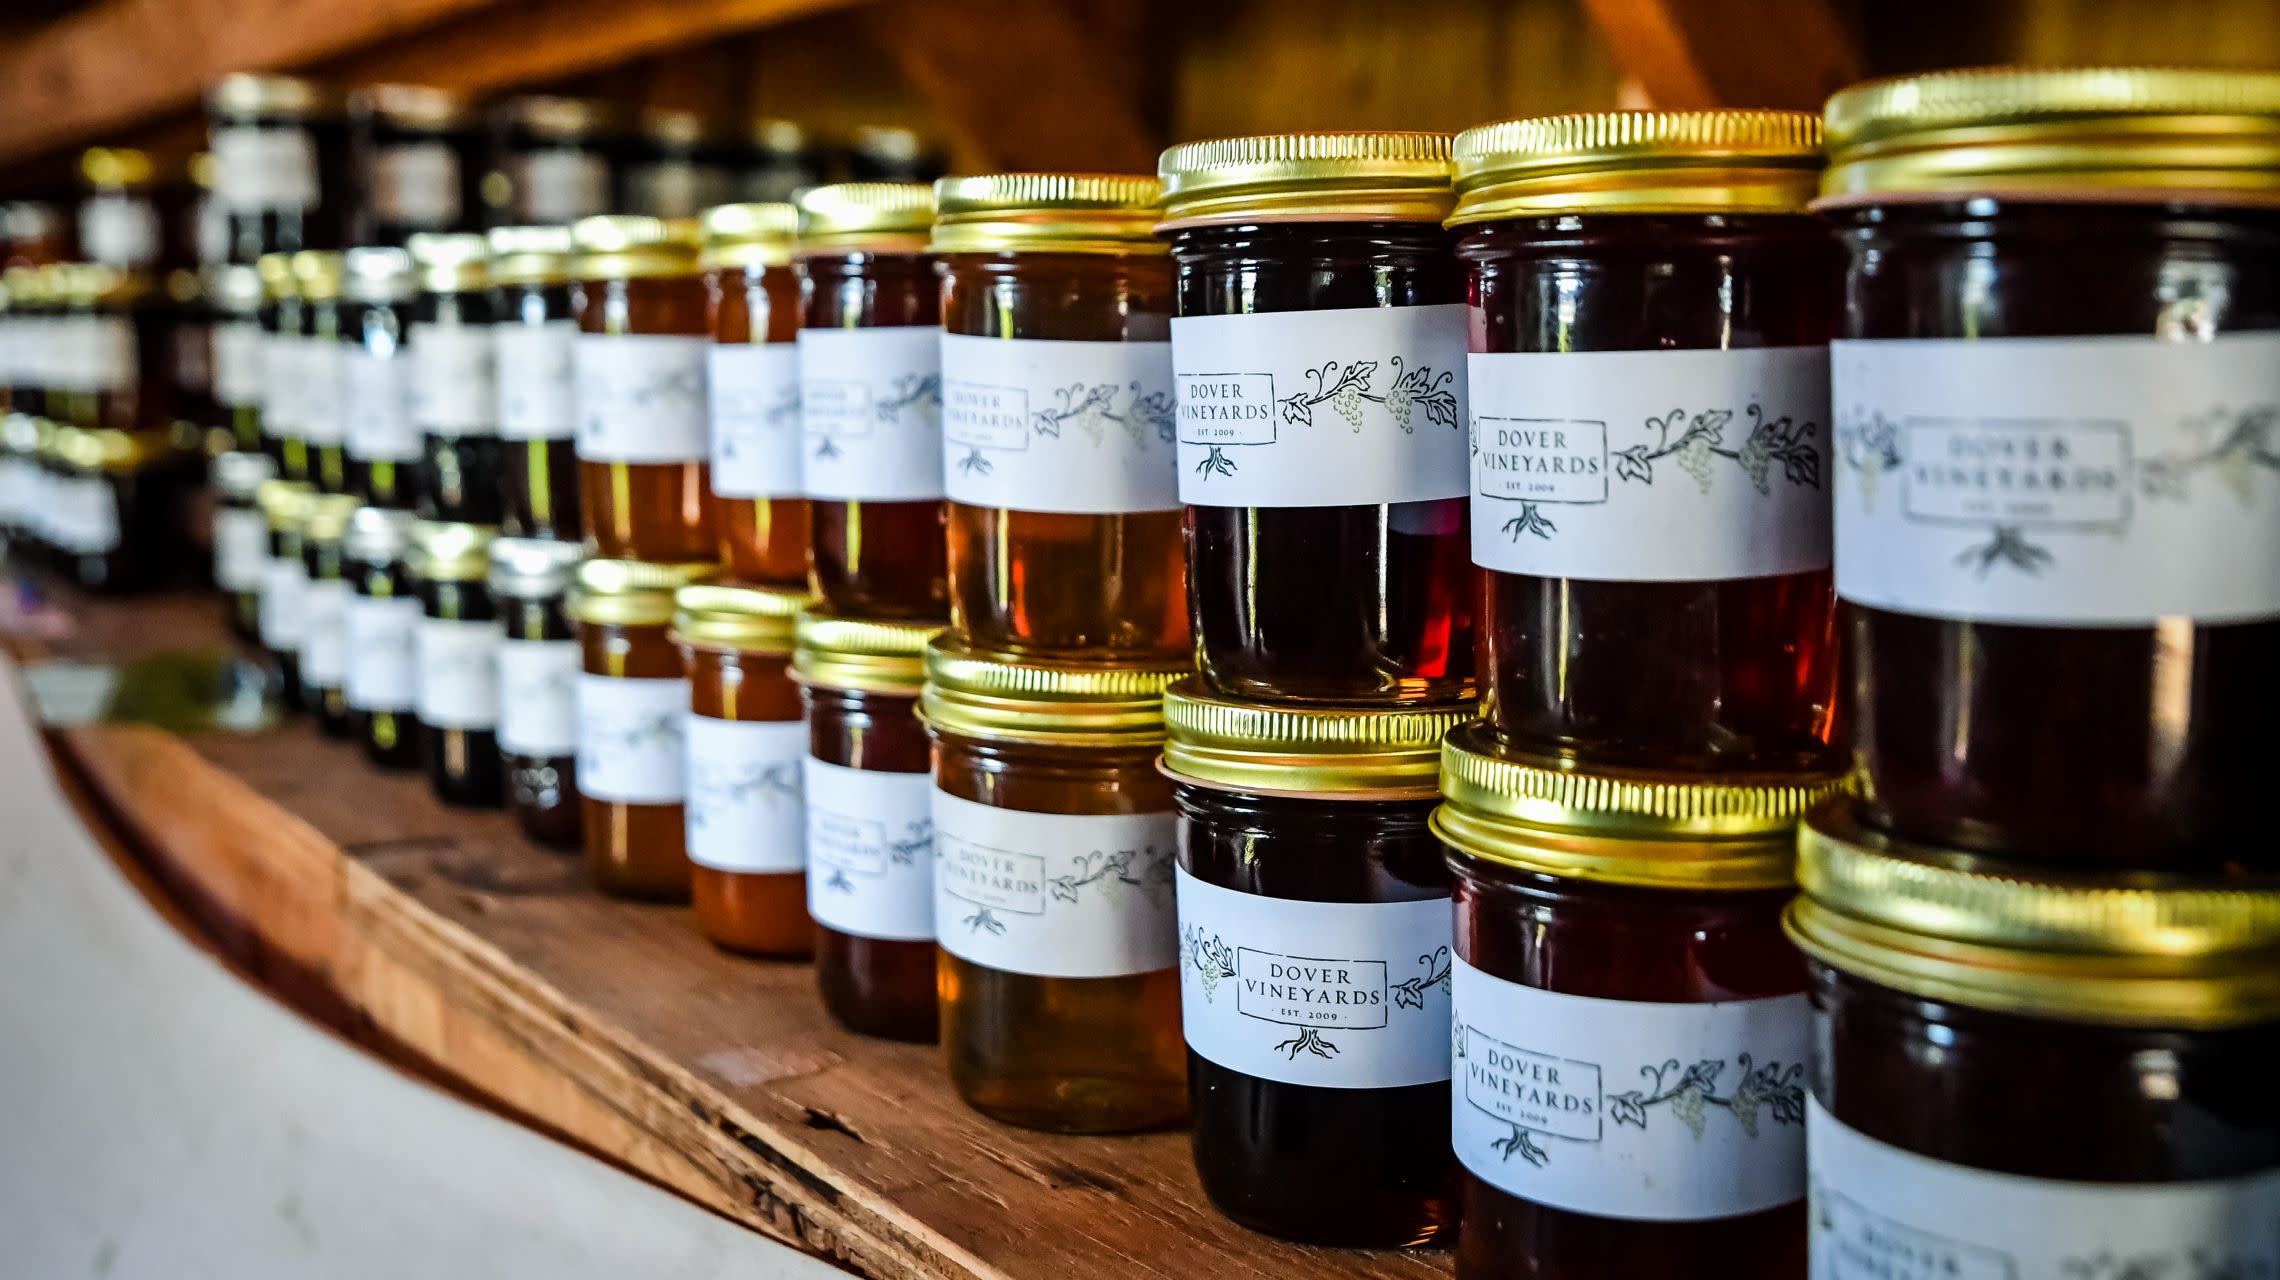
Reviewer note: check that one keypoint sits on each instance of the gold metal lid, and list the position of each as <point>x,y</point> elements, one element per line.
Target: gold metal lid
<point>2131,950</point>
<point>986,695</point>
<point>247,93</point>
<point>861,654</point>
<point>631,593</point>
<point>448,552</point>
<point>110,450</point>
<point>113,168</point>
<point>450,261</point>
<point>377,275</point>
<point>1393,753</point>
<point>750,235</point>
<point>185,285</point>
<point>411,106</point>
<point>530,255</point>
<point>1307,177</point>
<point>377,535</point>
<point>317,275</point>
<point>1654,830</point>
<point>557,118</point>
<point>750,619</point>
<point>533,568</point>
<point>236,290</point>
<point>2104,133</point>
<point>622,246</point>
<point>676,126</point>
<point>284,503</point>
<point>879,217</point>
<point>328,517</point>
<point>276,272</point>
<point>1638,162</point>
<point>239,474</point>
<point>1048,213</point>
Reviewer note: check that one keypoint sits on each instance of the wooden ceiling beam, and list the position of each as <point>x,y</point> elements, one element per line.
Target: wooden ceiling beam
<point>1692,54</point>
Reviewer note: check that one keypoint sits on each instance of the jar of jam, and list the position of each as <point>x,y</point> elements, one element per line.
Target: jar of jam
<point>1055,843</point>
<point>2035,1074</point>
<point>1314,966</point>
<point>189,364</point>
<point>1650,398</point>
<point>241,536</point>
<point>322,364</point>
<point>283,388</point>
<point>455,651</point>
<point>754,384</point>
<point>677,166</point>
<point>554,157</point>
<point>870,823</point>
<point>239,352</point>
<point>383,620</point>
<point>643,456</point>
<point>415,148</point>
<point>112,508</point>
<point>871,400</point>
<point>454,387</point>
<point>382,443</point>
<point>632,700</point>
<point>324,612</point>
<point>746,824</point>
<point>281,169</point>
<point>118,217</point>
<point>1318,360</point>
<point>538,685</point>
<point>2062,323</point>
<point>534,333</point>
<point>1057,416</point>
<point>284,581</point>
<point>1629,1024</point>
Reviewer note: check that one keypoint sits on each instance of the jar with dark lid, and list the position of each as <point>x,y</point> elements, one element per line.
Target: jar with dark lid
<point>119,223</point>
<point>1318,357</point>
<point>1055,844</point>
<point>112,508</point>
<point>1650,396</point>
<point>754,392</point>
<point>677,165</point>
<point>284,582</point>
<point>643,454</point>
<point>241,536</point>
<point>2061,342</point>
<point>1064,516</point>
<point>324,612</point>
<point>870,823</point>
<point>321,363</point>
<point>746,823</point>
<point>415,148</point>
<point>632,699</point>
<point>2036,1074</point>
<point>534,333</point>
<point>456,654</point>
<point>281,169</point>
<point>239,352</point>
<point>454,382</point>
<point>1314,966</point>
<point>283,391</point>
<point>554,159</point>
<point>780,161</point>
<point>383,621</point>
<point>538,685</point>
<point>1630,1026</point>
<point>382,444</point>
<point>871,400</point>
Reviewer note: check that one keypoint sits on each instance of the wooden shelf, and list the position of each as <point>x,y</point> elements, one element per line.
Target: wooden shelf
<point>442,934</point>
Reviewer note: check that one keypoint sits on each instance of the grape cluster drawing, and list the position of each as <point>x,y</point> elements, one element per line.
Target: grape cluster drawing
<point>1695,443</point>
<point>1088,410</point>
<point>902,851</point>
<point>713,788</point>
<point>1100,873</point>
<point>1346,387</point>
<point>1772,1094</point>
<point>917,395</point>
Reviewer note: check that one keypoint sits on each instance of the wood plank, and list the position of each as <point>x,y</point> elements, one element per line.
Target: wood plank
<point>1692,54</point>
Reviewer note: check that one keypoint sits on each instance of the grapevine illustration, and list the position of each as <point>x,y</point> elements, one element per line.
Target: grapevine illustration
<point>1345,387</point>
<point>548,687</point>
<point>1212,958</point>
<point>785,410</point>
<point>1149,411</point>
<point>676,389</point>
<point>1084,407</point>
<point>1410,992</point>
<point>2196,1264</point>
<point>1701,437</point>
<point>709,790</point>
<point>1869,448</point>
<point>2006,544</point>
<point>920,839</point>
<point>658,732</point>
<point>921,393</point>
<point>1308,1040</point>
<point>1111,870</point>
<point>983,919</point>
<point>1689,1092</point>
<point>2244,441</point>
<point>779,415</point>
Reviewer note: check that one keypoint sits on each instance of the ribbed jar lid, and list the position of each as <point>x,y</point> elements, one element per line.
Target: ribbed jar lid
<point>1307,177</point>
<point>449,552</point>
<point>450,261</point>
<point>625,246</point>
<point>1110,213</point>
<point>752,234</point>
<point>1638,162</point>
<point>985,695</point>
<point>378,535</point>
<point>529,255</point>
<point>533,568</point>
<point>887,217</point>
<point>632,593</point>
<point>747,619</point>
<point>862,654</point>
<point>1386,753</point>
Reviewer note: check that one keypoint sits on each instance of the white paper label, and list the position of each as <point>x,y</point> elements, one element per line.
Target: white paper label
<point>83,515</point>
<point>281,385</point>
<point>259,169</point>
<point>755,397</point>
<point>284,581</point>
<point>1624,1109</point>
<point>629,739</point>
<point>238,367</point>
<point>454,391</point>
<point>323,409</point>
<point>1880,1213</point>
<point>538,697</point>
<point>2074,482</point>
<point>416,184</point>
<point>870,848</point>
<point>118,229</point>
<point>377,419</point>
<point>641,398</point>
<point>1077,427</point>
<point>383,672</point>
<point>193,348</point>
<point>92,353</point>
<point>537,386</point>
<point>1352,407</point>
<point>19,494</point>
<point>324,635</point>
<point>871,414</point>
<point>1651,466</point>
<point>1340,995</point>
<point>241,544</point>
<point>458,677</point>
<point>1054,894</point>
<point>561,185</point>
<point>744,810</point>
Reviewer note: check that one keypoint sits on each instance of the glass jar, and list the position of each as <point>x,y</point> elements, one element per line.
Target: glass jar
<point>643,455</point>
<point>456,653</point>
<point>113,352</point>
<point>241,536</point>
<point>632,699</point>
<point>189,365</point>
<point>284,582</point>
<point>676,166</point>
<point>281,169</point>
<point>321,363</point>
<point>871,400</point>
<point>282,388</point>
<point>1318,359</point>
<point>754,383</point>
<point>1055,843</point>
<point>1314,966</point>
<point>538,685</point>
<point>1652,303</point>
<point>454,386</point>
<point>324,612</point>
<point>382,444</point>
<point>383,620</point>
<point>118,215</point>
<point>554,160</point>
<point>239,351</point>
<point>535,334</point>
<point>1630,1029</point>
<point>2137,1017</point>
<point>415,149</point>
<point>112,508</point>
<point>1064,516</point>
<point>746,823</point>
<point>870,823</point>
<point>2059,339</point>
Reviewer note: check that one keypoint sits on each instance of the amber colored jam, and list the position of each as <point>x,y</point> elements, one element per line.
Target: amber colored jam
<point>1734,675</point>
<point>762,539</point>
<point>462,764</point>
<point>657,511</point>
<point>874,559</point>
<point>1053,581</point>
<point>761,912</point>
<point>391,735</point>
<point>1358,603</point>
<point>1361,1168</point>
<point>458,474</point>
<point>538,477</point>
<point>1621,943</point>
<point>633,850</point>
<point>2101,746</point>
<point>542,790</point>
<point>378,328</point>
